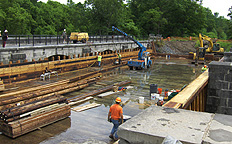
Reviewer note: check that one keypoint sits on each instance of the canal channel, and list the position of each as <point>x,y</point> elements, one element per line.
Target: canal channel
<point>92,125</point>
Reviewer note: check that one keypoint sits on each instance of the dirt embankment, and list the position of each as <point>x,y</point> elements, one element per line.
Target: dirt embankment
<point>177,47</point>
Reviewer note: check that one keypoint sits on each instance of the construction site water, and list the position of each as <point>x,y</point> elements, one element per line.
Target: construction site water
<point>91,126</point>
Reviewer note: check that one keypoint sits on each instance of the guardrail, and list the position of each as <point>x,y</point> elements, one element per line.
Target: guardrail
<point>33,40</point>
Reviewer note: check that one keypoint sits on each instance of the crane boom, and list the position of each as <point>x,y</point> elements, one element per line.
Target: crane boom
<point>142,48</point>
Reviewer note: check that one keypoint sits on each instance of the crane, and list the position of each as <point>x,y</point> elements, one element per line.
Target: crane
<point>143,57</point>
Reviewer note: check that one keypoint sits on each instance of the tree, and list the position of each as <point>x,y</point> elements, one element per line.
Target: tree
<point>152,21</point>
<point>103,14</point>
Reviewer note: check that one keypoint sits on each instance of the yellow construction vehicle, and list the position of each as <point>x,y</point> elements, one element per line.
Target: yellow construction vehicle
<point>79,37</point>
<point>210,45</point>
<point>207,45</point>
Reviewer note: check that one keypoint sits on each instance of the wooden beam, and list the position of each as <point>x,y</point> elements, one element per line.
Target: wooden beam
<point>85,107</point>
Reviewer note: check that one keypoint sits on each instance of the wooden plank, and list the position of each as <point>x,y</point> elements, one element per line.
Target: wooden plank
<point>85,107</point>
<point>188,93</point>
<point>80,101</point>
<point>96,92</point>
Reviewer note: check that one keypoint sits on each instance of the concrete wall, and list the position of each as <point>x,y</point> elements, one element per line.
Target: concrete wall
<point>219,99</point>
<point>36,52</point>
<point>155,124</point>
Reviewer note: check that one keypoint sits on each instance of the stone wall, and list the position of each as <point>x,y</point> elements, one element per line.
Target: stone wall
<point>40,52</point>
<point>219,99</point>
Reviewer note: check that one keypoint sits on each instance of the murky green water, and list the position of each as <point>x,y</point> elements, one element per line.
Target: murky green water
<point>92,124</point>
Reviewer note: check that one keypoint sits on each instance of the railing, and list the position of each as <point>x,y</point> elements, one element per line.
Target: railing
<point>33,40</point>
<point>193,97</point>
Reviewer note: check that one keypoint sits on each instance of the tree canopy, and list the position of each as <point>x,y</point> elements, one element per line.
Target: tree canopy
<point>135,17</point>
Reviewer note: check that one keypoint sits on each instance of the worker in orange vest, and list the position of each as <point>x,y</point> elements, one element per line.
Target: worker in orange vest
<point>115,116</point>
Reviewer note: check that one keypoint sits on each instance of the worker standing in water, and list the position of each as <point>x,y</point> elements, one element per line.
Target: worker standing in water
<point>115,116</point>
<point>119,58</point>
<point>99,59</point>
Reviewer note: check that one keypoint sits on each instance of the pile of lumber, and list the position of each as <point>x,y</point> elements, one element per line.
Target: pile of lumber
<point>24,118</point>
<point>29,109</point>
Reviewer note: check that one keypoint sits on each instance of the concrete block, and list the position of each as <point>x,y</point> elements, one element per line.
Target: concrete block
<point>224,85</point>
<point>214,84</point>
<point>210,108</point>
<point>221,110</point>
<point>216,101</point>
<point>225,93</point>
<point>229,110</point>
<point>230,85</point>
<point>212,92</point>
<point>210,100</point>
<point>224,102</point>
<point>230,102</point>
<point>155,123</point>
<point>220,130</point>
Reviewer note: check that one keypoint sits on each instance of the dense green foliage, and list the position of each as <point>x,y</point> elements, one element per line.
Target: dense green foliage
<point>137,17</point>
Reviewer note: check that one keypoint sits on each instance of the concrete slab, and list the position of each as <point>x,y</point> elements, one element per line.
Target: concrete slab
<point>155,123</point>
<point>220,130</point>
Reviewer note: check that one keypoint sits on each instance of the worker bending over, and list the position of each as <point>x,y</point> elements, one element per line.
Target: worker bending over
<point>99,57</point>
<point>115,116</point>
<point>204,68</point>
<point>119,58</point>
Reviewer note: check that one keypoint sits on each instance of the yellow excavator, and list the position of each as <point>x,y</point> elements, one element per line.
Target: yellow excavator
<point>207,45</point>
<point>210,44</point>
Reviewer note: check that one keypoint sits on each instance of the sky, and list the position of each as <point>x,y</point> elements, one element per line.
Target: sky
<point>220,6</point>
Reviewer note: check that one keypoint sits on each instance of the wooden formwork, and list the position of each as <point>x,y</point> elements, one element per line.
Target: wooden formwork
<point>193,97</point>
<point>22,72</point>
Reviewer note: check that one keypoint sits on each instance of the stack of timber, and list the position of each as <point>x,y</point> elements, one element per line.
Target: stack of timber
<point>24,118</point>
<point>2,86</point>
<point>29,109</point>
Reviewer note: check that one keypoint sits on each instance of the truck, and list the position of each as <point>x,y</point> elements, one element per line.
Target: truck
<point>143,61</point>
<point>79,37</point>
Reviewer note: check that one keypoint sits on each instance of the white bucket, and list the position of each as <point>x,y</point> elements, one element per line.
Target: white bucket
<point>141,100</point>
<point>154,96</point>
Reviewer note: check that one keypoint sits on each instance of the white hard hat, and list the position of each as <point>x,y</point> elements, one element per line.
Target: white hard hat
<point>5,31</point>
<point>64,29</point>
